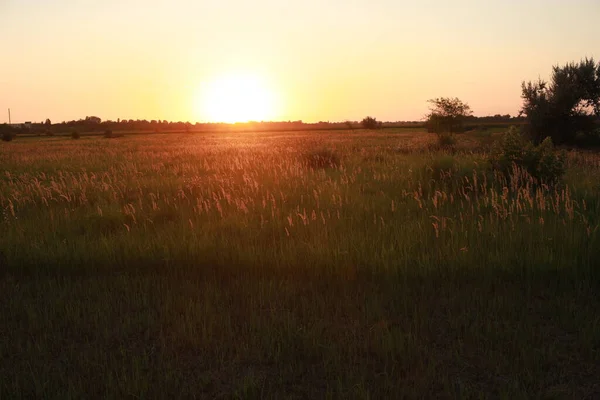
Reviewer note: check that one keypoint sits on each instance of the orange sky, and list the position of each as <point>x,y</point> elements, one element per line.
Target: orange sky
<point>342,60</point>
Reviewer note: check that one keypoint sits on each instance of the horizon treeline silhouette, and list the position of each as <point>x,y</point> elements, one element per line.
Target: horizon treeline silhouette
<point>96,124</point>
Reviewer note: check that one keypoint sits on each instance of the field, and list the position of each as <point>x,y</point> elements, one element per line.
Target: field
<point>343,264</point>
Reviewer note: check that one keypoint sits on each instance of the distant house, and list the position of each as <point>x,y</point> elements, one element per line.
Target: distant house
<point>25,125</point>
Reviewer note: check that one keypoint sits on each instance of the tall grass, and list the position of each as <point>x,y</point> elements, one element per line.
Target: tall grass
<point>250,252</point>
<point>260,197</point>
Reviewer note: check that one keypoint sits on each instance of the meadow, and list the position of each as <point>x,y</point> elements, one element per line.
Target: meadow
<point>345,264</point>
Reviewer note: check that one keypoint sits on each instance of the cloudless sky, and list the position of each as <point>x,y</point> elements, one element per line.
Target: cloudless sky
<point>325,60</point>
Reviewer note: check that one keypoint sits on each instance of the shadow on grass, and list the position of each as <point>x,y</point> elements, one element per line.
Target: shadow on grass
<point>202,329</point>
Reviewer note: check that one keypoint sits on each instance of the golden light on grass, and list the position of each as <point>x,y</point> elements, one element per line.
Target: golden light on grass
<point>237,97</point>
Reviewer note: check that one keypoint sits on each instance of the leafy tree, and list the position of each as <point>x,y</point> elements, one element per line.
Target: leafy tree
<point>447,115</point>
<point>48,122</point>
<point>370,123</point>
<point>541,161</point>
<point>565,106</point>
<point>93,120</point>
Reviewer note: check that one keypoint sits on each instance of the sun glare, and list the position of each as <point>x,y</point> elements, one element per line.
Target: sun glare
<point>236,98</point>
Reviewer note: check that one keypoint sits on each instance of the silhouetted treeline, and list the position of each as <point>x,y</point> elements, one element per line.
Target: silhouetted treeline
<point>85,125</point>
<point>95,124</point>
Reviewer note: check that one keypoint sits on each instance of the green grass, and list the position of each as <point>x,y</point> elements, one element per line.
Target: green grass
<point>225,266</point>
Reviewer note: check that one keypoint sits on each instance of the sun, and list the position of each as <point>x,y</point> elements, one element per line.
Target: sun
<point>236,98</point>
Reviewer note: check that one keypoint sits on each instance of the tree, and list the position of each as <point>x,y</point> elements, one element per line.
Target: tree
<point>447,115</point>
<point>370,123</point>
<point>48,122</point>
<point>93,120</point>
<point>7,132</point>
<point>565,106</point>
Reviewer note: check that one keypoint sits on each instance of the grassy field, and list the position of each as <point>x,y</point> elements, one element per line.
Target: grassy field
<point>345,264</point>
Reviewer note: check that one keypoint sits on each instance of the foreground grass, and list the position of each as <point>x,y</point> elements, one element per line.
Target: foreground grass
<point>225,266</point>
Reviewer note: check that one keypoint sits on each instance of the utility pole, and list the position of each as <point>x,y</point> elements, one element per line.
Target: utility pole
<point>9,117</point>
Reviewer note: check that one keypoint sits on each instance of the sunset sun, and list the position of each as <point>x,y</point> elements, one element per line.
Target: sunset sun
<point>236,98</point>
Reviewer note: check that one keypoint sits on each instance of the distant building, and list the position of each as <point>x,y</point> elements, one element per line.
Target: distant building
<point>24,125</point>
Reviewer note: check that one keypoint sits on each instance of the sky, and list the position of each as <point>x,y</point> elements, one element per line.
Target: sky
<point>318,60</point>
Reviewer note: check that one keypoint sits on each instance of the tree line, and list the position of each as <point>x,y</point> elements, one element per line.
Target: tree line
<point>91,124</point>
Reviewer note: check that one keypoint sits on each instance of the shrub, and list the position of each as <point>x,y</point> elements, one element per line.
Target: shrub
<point>322,159</point>
<point>446,140</point>
<point>541,161</point>
<point>370,123</point>
<point>108,134</point>
<point>7,132</point>
<point>48,132</point>
<point>75,135</point>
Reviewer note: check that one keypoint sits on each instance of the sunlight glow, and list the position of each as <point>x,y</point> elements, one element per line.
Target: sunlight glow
<point>236,98</point>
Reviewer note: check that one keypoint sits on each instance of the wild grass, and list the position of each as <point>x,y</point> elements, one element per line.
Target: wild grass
<point>243,266</point>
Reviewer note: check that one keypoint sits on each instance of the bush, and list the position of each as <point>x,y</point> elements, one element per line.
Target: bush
<point>7,132</point>
<point>541,161</point>
<point>108,134</point>
<point>370,123</point>
<point>446,140</point>
<point>322,159</point>
<point>75,135</point>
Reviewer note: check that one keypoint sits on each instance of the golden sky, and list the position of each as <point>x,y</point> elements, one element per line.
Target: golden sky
<point>314,60</point>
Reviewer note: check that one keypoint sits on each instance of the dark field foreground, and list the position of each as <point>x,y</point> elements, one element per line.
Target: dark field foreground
<point>294,265</point>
